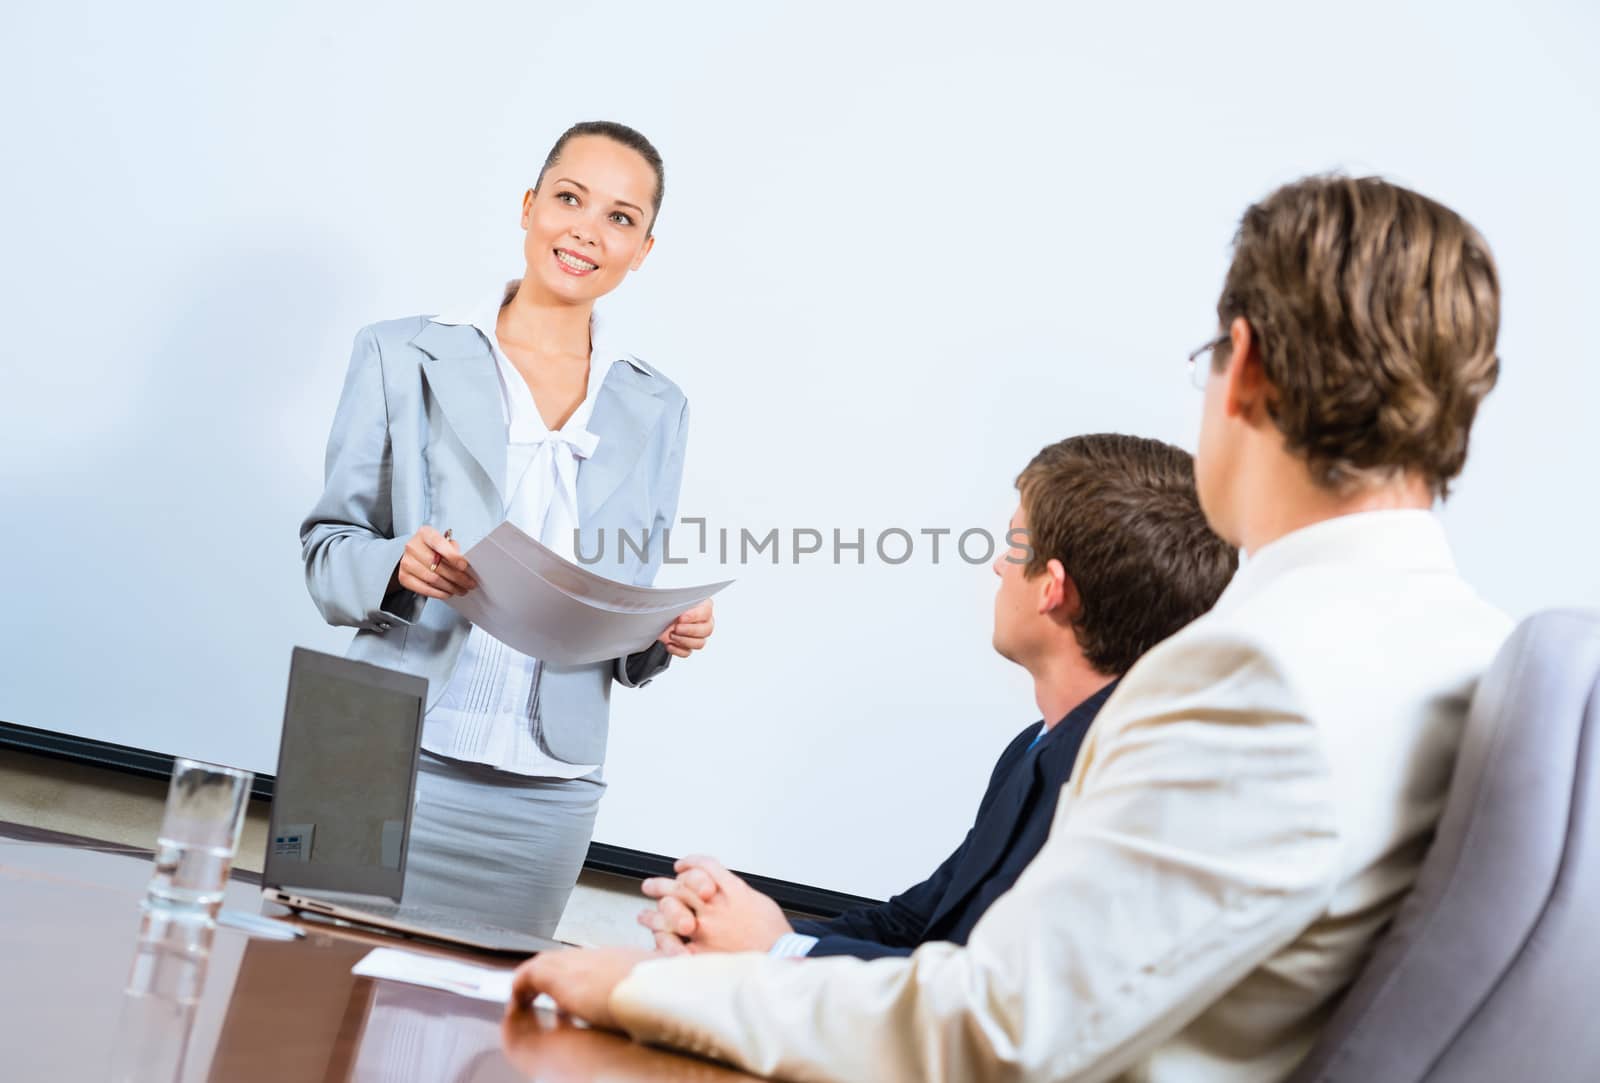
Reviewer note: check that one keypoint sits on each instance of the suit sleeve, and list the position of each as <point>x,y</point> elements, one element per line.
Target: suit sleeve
<point>1199,842</point>
<point>347,541</point>
<point>641,667</point>
<point>896,923</point>
<point>857,949</point>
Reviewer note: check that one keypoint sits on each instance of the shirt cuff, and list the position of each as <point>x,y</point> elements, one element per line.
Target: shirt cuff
<point>792,946</point>
<point>641,667</point>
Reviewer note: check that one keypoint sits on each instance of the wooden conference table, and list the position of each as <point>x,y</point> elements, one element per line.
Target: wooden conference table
<point>269,1009</point>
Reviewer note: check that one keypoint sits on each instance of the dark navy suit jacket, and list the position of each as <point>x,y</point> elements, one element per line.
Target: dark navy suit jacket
<point>1013,822</point>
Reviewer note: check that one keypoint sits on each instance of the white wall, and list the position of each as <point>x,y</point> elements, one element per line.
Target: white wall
<point>903,247</point>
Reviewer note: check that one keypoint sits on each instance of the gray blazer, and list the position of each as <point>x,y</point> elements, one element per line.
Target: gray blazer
<point>420,437</point>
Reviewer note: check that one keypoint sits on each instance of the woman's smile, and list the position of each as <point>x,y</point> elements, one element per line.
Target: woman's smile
<point>574,264</point>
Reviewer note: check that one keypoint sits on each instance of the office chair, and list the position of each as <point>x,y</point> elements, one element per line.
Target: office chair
<point>1490,970</point>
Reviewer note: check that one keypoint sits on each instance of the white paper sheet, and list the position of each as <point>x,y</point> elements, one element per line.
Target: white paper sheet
<point>549,608</point>
<point>463,979</point>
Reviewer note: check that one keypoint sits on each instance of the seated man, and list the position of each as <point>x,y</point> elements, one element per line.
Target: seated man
<point>1256,797</point>
<point>1118,557</point>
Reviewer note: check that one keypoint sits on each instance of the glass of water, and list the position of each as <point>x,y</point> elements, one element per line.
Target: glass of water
<point>199,835</point>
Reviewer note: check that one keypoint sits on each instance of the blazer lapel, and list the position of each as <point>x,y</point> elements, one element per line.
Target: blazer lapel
<point>624,417</point>
<point>991,838</point>
<point>1048,766</point>
<point>461,375</point>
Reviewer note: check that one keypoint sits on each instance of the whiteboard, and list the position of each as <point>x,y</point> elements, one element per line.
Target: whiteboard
<point>902,248</point>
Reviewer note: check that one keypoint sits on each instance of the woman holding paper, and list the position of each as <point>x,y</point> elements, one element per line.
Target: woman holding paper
<point>520,409</point>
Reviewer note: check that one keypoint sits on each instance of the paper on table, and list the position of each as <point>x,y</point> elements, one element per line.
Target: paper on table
<point>549,608</point>
<point>463,979</point>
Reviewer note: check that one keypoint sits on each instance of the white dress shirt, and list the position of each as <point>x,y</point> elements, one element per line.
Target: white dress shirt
<point>490,709</point>
<point>1243,819</point>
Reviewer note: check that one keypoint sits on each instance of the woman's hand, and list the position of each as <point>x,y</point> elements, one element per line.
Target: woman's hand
<point>689,632</point>
<point>433,566</point>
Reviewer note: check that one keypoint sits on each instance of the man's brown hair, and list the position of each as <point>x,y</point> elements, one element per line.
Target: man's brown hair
<point>1121,514</point>
<point>1375,310</point>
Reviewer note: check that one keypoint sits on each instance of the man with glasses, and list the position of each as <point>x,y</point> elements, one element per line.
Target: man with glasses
<point>1199,371</point>
<point>1254,801</point>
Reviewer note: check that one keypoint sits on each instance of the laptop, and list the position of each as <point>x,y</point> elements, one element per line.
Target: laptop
<point>342,804</point>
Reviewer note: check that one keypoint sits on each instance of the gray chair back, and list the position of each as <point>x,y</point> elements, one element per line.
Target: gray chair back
<point>1491,969</point>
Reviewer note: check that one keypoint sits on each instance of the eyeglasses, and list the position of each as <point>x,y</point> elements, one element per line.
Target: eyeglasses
<point>1198,372</point>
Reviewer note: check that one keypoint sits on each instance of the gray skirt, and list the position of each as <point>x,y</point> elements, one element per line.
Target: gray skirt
<point>502,847</point>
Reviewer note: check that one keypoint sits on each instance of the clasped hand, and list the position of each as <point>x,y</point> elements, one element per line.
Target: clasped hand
<point>704,908</point>
<point>707,908</point>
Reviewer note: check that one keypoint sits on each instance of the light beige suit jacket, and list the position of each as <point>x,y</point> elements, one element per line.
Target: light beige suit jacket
<point>1245,815</point>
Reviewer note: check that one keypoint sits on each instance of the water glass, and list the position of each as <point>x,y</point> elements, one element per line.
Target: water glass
<point>199,835</point>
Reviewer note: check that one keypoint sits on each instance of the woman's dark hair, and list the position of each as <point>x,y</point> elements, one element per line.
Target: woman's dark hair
<point>617,133</point>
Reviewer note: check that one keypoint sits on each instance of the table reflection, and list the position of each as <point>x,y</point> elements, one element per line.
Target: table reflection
<point>166,979</point>
<point>336,1027</point>
<point>296,1012</point>
<point>553,1049</point>
<point>420,1034</point>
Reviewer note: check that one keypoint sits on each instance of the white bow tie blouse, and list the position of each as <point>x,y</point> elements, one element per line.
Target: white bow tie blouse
<point>489,711</point>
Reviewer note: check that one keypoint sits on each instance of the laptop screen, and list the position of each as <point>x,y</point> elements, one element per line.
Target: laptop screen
<point>347,765</point>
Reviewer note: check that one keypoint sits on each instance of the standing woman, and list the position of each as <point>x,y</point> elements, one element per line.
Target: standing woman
<point>522,409</point>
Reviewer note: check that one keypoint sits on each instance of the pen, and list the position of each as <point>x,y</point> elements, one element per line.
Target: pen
<point>437,557</point>
<point>259,925</point>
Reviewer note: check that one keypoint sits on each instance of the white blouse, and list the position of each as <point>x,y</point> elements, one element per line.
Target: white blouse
<point>488,711</point>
